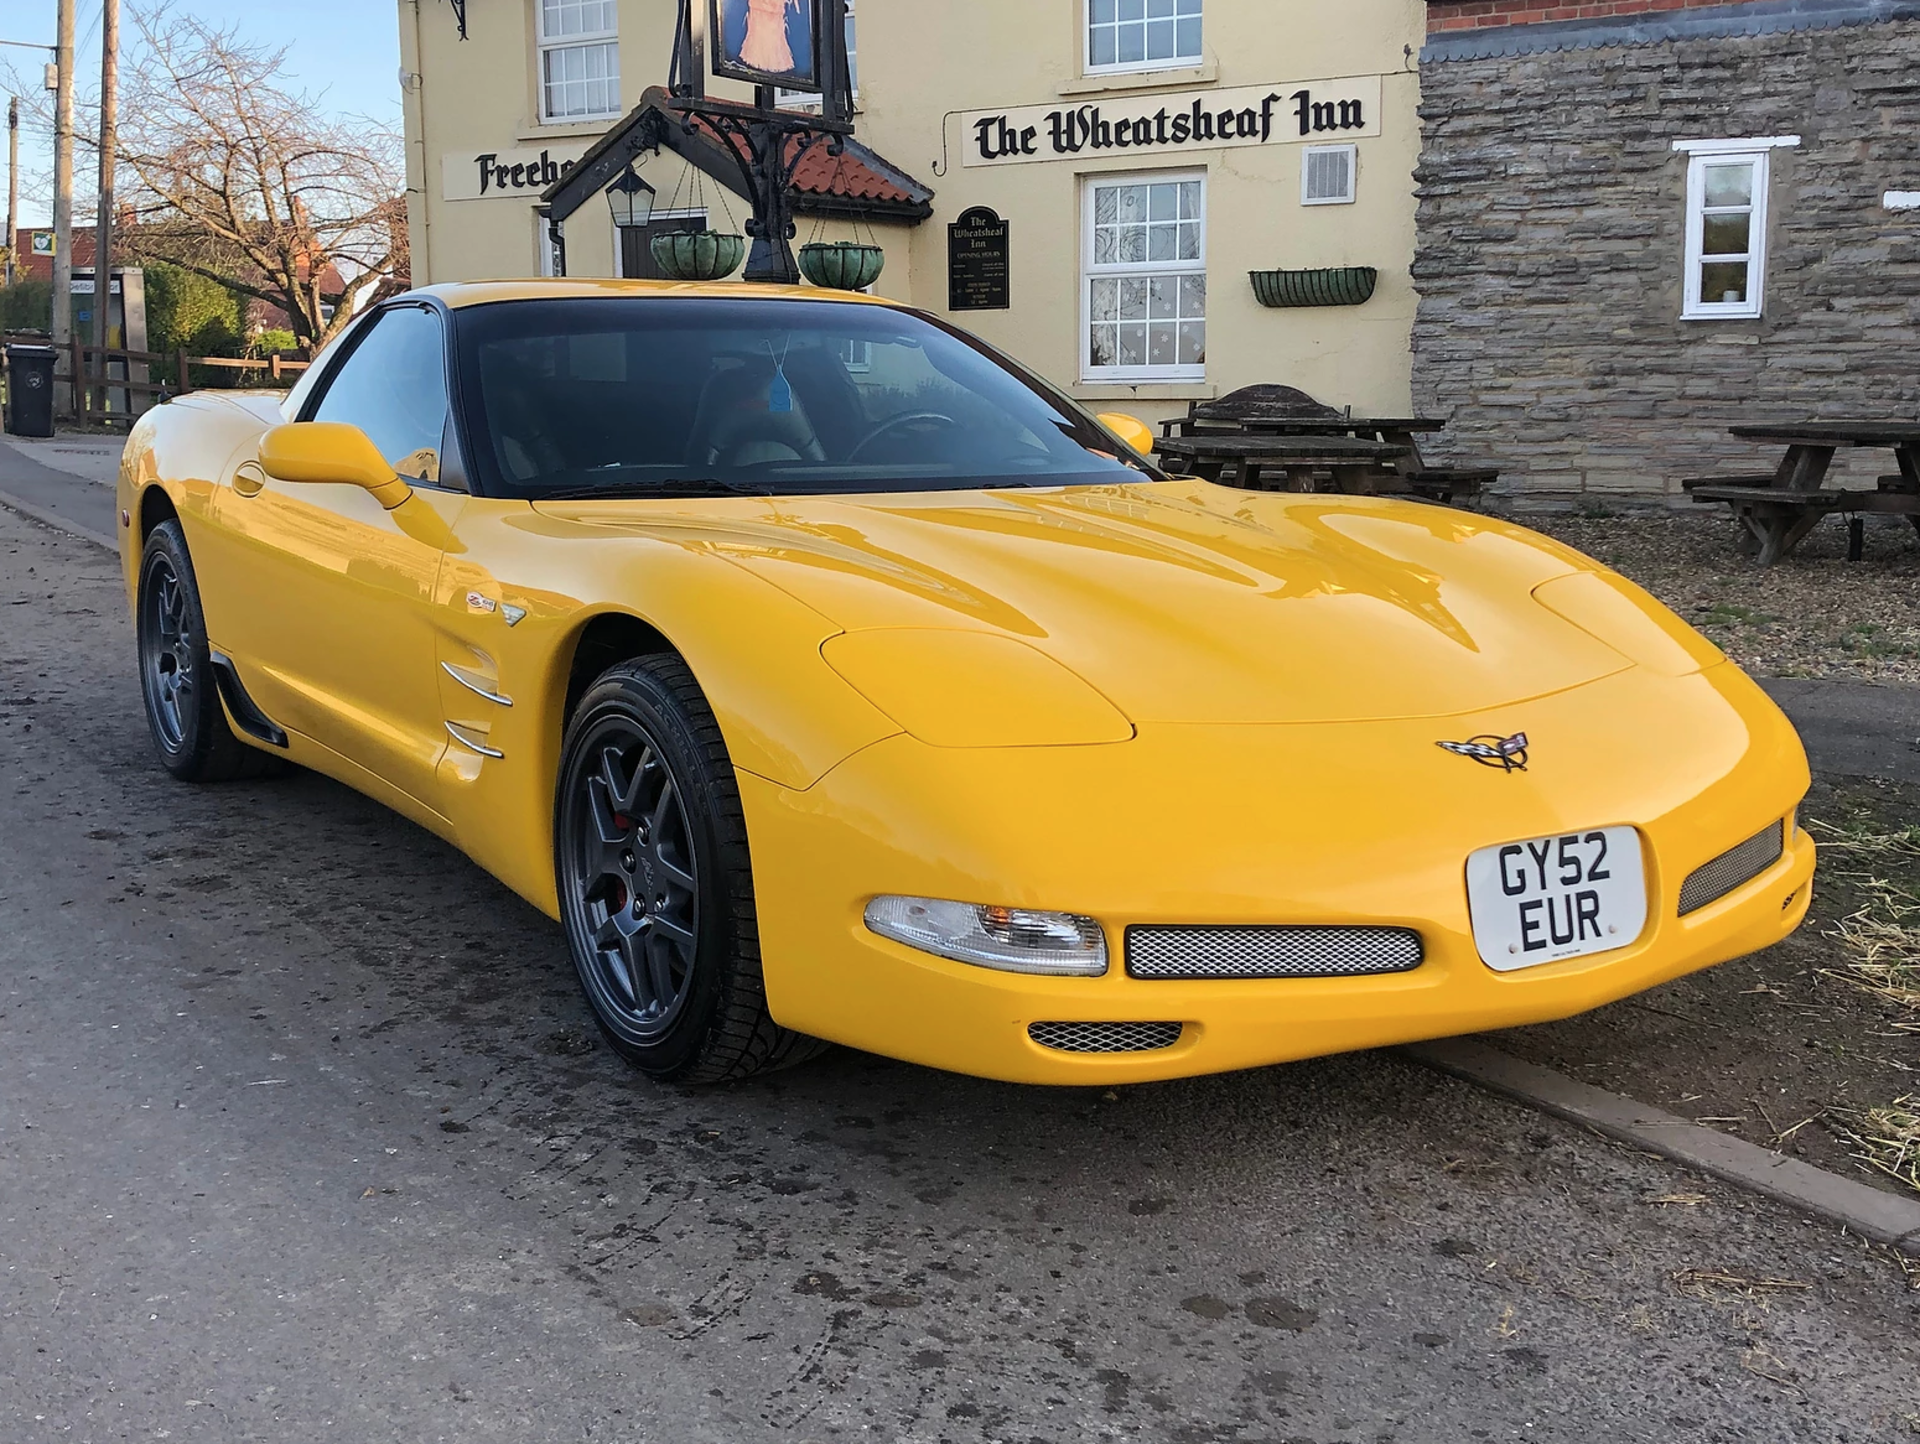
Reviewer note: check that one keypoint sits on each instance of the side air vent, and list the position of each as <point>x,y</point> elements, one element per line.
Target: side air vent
<point>1734,867</point>
<point>1104,1037</point>
<point>1270,952</point>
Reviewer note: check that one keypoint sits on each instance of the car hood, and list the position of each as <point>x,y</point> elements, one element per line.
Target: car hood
<point>1179,601</point>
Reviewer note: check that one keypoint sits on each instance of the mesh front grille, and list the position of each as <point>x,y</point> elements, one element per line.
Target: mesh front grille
<point>1270,952</point>
<point>1733,867</point>
<point>1104,1037</point>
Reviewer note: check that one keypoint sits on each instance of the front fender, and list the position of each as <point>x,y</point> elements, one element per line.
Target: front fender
<point>755,651</point>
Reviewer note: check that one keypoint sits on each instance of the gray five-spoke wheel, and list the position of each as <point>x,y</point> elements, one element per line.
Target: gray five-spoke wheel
<point>167,654</point>
<point>637,879</point>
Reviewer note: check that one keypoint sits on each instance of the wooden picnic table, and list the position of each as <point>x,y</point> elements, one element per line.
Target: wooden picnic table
<point>1780,507</point>
<point>1363,453</point>
<point>1346,425</point>
<point>1358,465</point>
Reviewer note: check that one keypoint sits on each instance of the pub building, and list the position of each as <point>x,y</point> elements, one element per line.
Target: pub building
<point>1087,184</point>
<point>1641,221</point>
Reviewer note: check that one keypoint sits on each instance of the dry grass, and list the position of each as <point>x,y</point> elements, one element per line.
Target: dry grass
<point>1887,1139</point>
<point>1879,941</point>
<point>1880,954</point>
<point>1721,1284</point>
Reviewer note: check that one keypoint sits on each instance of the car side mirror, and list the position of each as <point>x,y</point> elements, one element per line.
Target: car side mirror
<point>1130,429</point>
<point>331,451</point>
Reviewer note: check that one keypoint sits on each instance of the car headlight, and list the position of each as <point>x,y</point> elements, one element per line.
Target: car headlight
<point>1014,940</point>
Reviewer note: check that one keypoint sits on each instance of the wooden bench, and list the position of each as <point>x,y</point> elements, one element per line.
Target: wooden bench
<point>1267,402</point>
<point>1752,478</point>
<point>1445,483</point>
<point>1779,516</point>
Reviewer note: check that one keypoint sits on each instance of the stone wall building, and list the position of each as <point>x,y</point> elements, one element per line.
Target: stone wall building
<point>1640,221</point>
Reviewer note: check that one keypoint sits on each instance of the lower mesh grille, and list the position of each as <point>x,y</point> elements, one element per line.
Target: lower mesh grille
<point>1104,1037</point>
<point>1733,867</point>
<point>1270,952</point>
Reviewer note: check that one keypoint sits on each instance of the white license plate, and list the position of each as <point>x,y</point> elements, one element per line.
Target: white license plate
<point>1553,898</point>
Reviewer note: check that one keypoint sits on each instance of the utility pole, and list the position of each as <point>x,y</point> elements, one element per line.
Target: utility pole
<point>62,326</point>
<point>13,181</point>
<point>109,141</point>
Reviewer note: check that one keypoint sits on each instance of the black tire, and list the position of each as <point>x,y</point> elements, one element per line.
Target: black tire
<point>656,885</point>
<point>184,715</point>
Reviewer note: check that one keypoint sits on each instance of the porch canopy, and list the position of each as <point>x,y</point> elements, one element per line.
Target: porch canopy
<point>857,183</point>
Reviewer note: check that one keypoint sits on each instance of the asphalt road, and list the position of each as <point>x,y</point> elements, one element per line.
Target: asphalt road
<point>304,1136</point>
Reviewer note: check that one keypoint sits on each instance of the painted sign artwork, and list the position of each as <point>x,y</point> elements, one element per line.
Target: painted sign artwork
<point>769,42</point>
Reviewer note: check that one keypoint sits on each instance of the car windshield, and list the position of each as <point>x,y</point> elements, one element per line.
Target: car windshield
<point>678,395</point>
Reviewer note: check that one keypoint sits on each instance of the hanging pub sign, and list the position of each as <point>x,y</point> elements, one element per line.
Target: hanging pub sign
<point>1318,110</point>
<point>772,45</point>
<point>769,42</point>
<point>978,270</point>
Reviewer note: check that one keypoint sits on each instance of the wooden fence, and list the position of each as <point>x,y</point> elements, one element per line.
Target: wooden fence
<point>92,402</point>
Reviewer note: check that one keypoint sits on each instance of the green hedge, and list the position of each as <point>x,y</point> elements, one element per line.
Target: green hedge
<point>26,306</point>
<point>188,310</point>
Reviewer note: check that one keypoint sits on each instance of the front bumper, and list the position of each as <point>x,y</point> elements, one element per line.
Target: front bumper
<point>1342,823</point>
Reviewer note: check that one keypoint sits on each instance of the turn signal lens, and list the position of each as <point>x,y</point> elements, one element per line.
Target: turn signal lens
<point>1014,940</point>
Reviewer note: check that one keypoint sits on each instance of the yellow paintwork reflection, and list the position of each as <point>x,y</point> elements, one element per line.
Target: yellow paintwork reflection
<point>1164,702</point>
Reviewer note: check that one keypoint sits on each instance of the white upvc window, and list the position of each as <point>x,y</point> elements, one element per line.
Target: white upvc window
<point>1726,248</point>
<point>1142,34</point>
<point>1143,287</point>
<point>810,100</point>
<point>579,59</point>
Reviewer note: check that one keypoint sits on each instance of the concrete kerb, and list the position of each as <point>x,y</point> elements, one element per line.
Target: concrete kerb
<point>58,523</point>
<point>1882,1217</point>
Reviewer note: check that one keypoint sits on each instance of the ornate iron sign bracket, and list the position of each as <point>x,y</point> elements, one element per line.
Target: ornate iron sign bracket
<point>767,143</point>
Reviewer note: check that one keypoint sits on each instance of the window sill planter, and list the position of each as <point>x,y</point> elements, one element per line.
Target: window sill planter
<point>842,265</point>
<point>1333,286</point>
<point>698,255</point>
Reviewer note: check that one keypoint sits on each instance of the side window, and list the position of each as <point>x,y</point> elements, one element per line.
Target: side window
<point>394,388</point>
<point>1726,235</point>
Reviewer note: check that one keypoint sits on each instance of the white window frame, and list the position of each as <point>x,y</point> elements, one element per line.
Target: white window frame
<point>544,251</point>
<point>1135,67</point>
<point>545,45</point>
<point>1307,152</point>
<point>809,100</point>
<point>1756,152</point>
<point>1089,272</point>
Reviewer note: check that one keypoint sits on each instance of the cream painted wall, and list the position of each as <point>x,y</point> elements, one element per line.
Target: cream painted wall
<point>922,62</point>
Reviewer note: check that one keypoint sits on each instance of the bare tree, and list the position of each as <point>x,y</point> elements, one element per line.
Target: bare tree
<point>242,180</point>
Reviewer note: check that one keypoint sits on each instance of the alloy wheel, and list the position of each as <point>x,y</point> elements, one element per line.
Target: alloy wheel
<point>635,878</point>
<point>167,654</point>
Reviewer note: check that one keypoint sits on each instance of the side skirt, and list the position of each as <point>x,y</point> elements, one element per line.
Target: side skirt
<point>246,715</point>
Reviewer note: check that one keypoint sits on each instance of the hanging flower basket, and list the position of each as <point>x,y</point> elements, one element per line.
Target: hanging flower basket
<point>698,255</point>
<point>842,265</point>
<point>1333,286</point>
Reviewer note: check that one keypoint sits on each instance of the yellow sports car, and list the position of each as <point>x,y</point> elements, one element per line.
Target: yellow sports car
<point>831,677</point>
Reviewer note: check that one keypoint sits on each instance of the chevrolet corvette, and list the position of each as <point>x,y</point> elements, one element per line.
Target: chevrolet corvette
<point>830,677</point>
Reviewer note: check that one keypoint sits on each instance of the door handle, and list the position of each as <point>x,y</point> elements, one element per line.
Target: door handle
<point>248,479</point>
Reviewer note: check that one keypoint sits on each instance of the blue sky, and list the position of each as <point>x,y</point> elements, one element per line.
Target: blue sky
<point>345,52</point>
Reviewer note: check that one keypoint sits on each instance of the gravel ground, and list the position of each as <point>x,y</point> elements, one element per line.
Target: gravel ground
<point>1814,615</point>
<point>304,1134</point>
